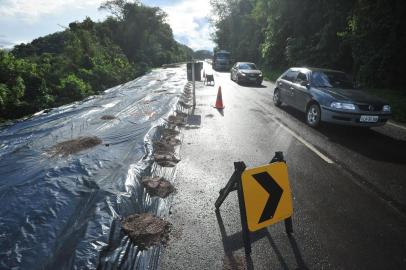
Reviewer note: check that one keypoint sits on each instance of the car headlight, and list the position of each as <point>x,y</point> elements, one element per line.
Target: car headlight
<point>243,74</point>
<point>344,106</point>
<point>386,108</point>
<point>260,74</point>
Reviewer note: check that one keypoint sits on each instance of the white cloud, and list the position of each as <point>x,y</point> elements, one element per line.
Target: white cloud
<point>188,19</point>
<point>31,11</point>
<point>184,18</point>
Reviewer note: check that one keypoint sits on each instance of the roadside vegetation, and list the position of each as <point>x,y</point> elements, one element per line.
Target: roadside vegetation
<point>86,58</point>
<point>397,100</point>
<point>363,38</point>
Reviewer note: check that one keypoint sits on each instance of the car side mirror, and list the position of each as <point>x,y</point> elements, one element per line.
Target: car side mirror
<point>305,84</point>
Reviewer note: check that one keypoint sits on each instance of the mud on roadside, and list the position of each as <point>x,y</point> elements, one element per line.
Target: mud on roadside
<point>147,230</point>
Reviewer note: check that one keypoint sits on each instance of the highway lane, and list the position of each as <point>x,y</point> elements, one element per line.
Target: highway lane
<point>377,157</point>
<point>347,206</point>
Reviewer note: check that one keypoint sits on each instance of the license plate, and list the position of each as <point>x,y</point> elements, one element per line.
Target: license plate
<point>252,79</point>
<point>369,118</point>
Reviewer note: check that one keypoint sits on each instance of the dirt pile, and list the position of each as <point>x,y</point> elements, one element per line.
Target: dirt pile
<point>161,146</point>
<point>186,98</point>
<point>234,263</point>
<point>157,186</point>
<point>167,132</point>
<point>166,159</point>
<point>146,230</point>
<point>180,113</point>
<point>169,140</point>
<point>67,148</point>
<point>164,149</point>
<point>176,120</point>
<point>108,117</point>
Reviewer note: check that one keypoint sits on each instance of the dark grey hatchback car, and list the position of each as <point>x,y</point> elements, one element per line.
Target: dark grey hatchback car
<point>329,96</point>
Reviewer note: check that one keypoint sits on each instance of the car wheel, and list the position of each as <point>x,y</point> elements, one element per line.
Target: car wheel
<point>231,76</point>
<point>277,98</point>
<point>313,115</point>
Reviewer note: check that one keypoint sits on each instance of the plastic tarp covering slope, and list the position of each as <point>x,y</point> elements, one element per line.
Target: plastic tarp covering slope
<point>63,212</point>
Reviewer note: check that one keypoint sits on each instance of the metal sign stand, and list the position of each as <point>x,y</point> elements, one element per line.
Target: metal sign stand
<point>235,184</point>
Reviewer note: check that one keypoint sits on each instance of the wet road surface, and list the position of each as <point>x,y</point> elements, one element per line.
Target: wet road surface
<point>347,184</point>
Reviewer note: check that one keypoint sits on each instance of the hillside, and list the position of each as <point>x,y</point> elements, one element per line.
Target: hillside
<point>86,58</point>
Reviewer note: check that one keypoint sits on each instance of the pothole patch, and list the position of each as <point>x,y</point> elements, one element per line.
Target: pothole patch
<point>74,146</point>
<point>146,230</point>
<point>157,186</point>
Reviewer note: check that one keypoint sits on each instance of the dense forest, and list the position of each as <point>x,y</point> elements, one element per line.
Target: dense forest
<point>365,38</point>
<point>202,54</point>
<point>86,58</point>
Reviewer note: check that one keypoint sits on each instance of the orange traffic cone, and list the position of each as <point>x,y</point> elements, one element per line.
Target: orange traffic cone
<point>219,101</point>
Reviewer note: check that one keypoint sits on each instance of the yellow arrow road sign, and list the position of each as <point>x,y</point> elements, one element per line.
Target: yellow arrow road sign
<point>267,195</point>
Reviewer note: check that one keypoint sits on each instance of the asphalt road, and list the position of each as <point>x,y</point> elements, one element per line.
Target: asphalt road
<point>348,188</point>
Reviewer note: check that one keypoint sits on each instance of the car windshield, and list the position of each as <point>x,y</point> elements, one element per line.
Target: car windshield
<point>330,79</point>
<point>247,66</point>
<point>222,56</point>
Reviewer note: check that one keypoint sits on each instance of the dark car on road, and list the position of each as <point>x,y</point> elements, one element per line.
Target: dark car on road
<point>329,96</point>
<point>245,72</point>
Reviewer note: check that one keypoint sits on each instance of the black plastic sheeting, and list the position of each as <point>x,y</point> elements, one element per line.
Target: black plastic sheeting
<point>64,212</point>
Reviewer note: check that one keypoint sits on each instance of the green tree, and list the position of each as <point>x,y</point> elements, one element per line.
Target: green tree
<point>3,96</point>
<point>44,99</point>
<point>74,88</point>
<point>237,30</point>
<point>86,58</point>
<point>17,91</point>
<point>364,38</point>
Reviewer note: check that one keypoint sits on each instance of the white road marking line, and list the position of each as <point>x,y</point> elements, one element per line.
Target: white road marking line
<point>308,145</point>
<point>395,125</point>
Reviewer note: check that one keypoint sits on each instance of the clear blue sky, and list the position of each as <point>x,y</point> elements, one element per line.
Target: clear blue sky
<point>25,20</point>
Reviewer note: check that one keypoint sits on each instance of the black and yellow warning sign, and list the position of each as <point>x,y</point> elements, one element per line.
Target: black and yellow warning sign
<point>267,195</point>
<point>264,196</point>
